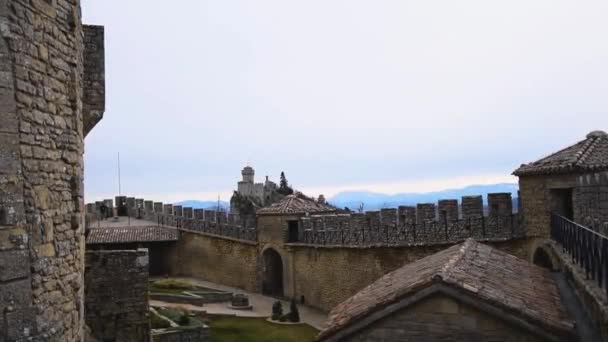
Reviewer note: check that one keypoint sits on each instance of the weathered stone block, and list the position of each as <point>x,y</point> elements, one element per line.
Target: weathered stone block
<point>20,323</point>
<point>14,265</point>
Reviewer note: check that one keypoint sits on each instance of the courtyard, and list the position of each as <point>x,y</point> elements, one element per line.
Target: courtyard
<point>228,324</point>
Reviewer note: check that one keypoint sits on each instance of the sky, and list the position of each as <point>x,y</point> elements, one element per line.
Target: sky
<point>384,96</point>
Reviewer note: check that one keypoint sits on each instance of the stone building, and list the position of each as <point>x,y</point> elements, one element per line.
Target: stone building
<point>277,224</point>
<point>572,182</point>
<point>468,292</point>
<point>51,96</point>
<point>262,193</point>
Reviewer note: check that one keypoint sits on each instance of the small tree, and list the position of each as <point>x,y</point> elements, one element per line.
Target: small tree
<point>294,314</point>
<point>284,188</point>
<point>277,310</point>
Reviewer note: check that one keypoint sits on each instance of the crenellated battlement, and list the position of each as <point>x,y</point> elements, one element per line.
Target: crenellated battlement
<point>216,222</point>
<point>423,224</point>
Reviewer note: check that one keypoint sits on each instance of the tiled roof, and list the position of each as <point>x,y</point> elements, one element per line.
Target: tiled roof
<point>589,155</point>
<point>492,276</point>
<point>293,204</point>
<point>131,234</point>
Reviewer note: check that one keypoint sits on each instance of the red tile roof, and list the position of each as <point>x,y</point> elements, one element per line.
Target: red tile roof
<point>131,234</point>
<point>294,204</point>
<point>483,272</point>
<point>589,155</point>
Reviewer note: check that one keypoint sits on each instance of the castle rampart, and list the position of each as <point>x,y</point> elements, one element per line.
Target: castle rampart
<point>424,224</point>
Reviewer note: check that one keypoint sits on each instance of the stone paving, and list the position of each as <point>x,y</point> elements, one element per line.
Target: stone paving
<point>262,305</point>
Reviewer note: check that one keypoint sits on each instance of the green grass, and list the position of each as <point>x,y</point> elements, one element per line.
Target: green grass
<point>175,315</point>
<point>245,329</point>
<point>174,286</point>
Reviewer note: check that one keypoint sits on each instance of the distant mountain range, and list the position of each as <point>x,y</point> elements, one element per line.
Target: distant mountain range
<point>375,201</point>
<point>204,204</point>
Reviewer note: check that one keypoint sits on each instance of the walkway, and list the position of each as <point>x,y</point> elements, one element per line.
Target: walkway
<point>262,305</point>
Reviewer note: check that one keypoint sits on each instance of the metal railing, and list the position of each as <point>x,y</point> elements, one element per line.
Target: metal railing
<point>588,248</point>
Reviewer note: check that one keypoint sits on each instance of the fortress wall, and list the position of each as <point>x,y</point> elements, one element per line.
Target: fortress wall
<point>420,225</point>
<point>47,93</point>
<point>116,295</point>
<point>220,260</point>
<point>326,276</point>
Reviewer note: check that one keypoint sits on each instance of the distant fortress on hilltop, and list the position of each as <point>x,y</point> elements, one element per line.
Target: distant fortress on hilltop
<point>260,192</point>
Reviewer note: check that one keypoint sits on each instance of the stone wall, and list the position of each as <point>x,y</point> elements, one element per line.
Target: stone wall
<point>440,318</point>
<point>540,197</point>
<point>94,76</point>
<point>116,295</point>
<point>220,260</point>
<point>194,334</point>
<point>591,201</point>
<point>41,170</point>
<point>536,201</point>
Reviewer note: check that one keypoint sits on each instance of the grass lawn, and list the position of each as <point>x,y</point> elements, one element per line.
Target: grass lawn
<point>245,329</point>
<point>175,315</point>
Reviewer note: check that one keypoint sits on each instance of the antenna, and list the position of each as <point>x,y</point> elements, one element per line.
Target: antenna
<point>119,174</point>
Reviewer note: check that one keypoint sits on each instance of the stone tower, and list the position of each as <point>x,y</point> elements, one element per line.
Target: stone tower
<point>248,174</point>
<point>51,95</point>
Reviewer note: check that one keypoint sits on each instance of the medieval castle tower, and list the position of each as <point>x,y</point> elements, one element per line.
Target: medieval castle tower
<point>260,192</point>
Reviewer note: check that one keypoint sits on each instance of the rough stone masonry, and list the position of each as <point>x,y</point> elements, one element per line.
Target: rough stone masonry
<point>51,95</point>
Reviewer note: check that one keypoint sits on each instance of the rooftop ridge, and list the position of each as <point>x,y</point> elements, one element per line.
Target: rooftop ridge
<point>592,142</point>
<point>446,270</point>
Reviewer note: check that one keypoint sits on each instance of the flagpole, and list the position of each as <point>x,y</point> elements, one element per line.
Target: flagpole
<point>119,174</point>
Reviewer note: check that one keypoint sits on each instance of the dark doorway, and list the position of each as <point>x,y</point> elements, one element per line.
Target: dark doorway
<point>561,203</point>
<point>292,231</point>
<point>272,284</point>
<point>542,259</point>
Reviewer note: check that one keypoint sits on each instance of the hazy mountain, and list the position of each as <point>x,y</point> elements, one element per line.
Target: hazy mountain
<point>374,201</point>
<point>203,204</point>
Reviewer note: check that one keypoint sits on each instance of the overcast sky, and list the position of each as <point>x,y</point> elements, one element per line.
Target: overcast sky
<point>389,96</point>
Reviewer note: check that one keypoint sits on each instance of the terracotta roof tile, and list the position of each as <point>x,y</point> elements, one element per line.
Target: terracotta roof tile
<point>293,204</point>
<point>131,234</point>
<point>491,275</point>
<point>589,155</point>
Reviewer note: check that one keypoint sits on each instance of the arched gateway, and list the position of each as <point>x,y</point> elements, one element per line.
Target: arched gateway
<point>272,283</point>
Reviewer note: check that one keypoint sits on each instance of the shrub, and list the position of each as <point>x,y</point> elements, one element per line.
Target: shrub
<point>283,318</point>
<point>184,320</point>
<point>294,314</point>
<point>156,322</point>
<point>277,309</point>
<point>173,284</point>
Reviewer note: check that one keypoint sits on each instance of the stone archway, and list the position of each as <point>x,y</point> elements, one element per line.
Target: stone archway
<point>272,283</point>
<point>541,258</point>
